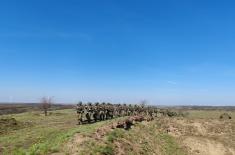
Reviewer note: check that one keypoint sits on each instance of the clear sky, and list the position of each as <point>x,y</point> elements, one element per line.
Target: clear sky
<point>167,52</point>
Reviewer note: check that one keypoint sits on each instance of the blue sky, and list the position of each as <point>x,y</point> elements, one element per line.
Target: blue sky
<point>167,52</point>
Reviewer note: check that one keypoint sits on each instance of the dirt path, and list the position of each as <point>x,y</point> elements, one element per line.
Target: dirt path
<point>204,146</point>
<point>203,137</point>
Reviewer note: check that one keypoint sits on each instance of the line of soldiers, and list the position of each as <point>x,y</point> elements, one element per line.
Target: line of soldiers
<point>89,113</point>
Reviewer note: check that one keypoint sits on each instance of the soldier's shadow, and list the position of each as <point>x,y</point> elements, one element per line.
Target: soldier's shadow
<point>93,121</point>
<point>90,122</point>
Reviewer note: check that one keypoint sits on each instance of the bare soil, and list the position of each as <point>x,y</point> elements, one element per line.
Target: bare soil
<point>202,136</point>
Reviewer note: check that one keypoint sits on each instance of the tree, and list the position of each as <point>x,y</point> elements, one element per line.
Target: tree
<point>46,103</point>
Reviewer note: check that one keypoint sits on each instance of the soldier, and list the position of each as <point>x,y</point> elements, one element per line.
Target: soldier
<point>106,111</point>
<point>96,111</point>
<point>115,110</point>
<point>89,112</point>
<point>129,110</point>
<point>155,111</point>
<point>119,110</point>
<point>135,110</point>
<point>123,110</point>
<point>80,111</point>
<point>151,112</point>
<point>109,109</point>
<point>102,111</point>
<point>142,109</point>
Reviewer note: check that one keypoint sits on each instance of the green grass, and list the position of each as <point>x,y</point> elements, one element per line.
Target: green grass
<point>169,145</point>
<point>208,114</point>
<point>115,134</point>
<point>142,139</point>
<point>103,146</point>
<point>46,134</point>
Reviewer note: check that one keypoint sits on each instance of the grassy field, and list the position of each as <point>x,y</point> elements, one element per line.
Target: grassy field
<point>14,108</point>
<point>59,134</point>
<point>208,114</point>
<point>43,135</point>
<point>48,135</point>
<point>144,138</point>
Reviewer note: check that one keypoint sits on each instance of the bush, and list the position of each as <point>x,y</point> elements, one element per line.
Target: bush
<point>225,116</point>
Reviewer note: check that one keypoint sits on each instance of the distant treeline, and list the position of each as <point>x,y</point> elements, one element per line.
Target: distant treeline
<point>228,108</point>
<point>7,108</point>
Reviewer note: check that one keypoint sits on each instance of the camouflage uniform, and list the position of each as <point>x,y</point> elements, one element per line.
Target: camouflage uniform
<point>102,111</point>
<point>80,111</point>
<point>96,112</point>
<point>129,110</point>
<point>89,112</point>
<point>109,109</point>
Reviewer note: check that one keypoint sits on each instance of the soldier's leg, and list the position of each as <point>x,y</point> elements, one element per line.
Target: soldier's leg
<point>102,116</point>
<point>107,115</point>
<point>88,117</point>
<point>95,116</point>
<point>111,115</point>
<point>79,118</point>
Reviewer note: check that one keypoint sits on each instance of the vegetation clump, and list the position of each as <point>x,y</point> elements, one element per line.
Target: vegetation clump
<point>8,123</point>
<point>225,116</point>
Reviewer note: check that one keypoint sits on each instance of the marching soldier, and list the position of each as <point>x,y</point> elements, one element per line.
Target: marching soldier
<point>102,111</point>
<point>96,111</point>
<point>80,111</point>
<point>89,112</point>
